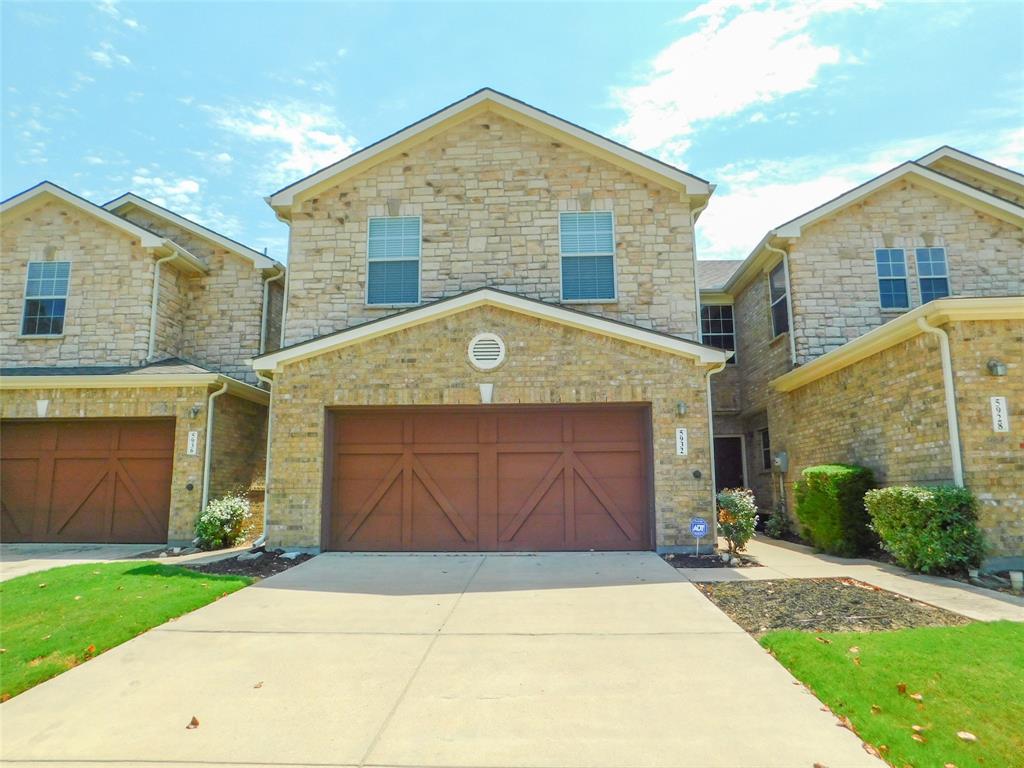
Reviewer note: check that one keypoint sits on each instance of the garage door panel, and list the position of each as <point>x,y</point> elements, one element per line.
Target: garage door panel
<point>526,478</point>
<point>102,480</point>
<point>365,429</point>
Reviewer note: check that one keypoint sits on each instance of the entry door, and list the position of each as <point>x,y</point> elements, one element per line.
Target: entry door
<point>728,462</point>
<point>490,479</point>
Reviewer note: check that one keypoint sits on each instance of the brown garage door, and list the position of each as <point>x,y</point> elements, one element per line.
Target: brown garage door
<point>491,479</point>
<point>87,480</point>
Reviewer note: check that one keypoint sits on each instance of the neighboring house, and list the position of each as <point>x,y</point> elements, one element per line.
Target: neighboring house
<point>123,331</point>
<point>835,362</point>
<point>489,343</point>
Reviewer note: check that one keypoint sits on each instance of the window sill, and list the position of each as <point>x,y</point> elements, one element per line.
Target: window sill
<point>368,305</point>
<point>588,301</point>
<point>40,336</point>
<point>776,340</point>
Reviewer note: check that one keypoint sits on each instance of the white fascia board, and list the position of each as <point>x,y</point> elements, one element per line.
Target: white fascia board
<point>146,238</point>
<point>189,259</point>
<point>693,185</point>
<point>975,162</point>
<point>131,199</point>
<point>702,354</point>
<point>136,381</point>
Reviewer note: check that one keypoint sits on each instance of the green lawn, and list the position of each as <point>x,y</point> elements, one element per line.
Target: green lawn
<point>971,678</point>
<point>53,620</point>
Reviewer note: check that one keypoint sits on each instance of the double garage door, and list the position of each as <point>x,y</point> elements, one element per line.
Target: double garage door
<point>489,479</point>
<point>87,480</point>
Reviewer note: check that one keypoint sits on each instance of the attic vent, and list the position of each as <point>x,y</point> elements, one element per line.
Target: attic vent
<point>486,351</point>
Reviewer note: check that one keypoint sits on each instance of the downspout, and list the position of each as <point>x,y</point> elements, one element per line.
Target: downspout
<point>208,454</point>
<point>153,305</point>
<point>696,284</point>
<point>262,540</point>
<point>284,307</point>
<point>950,392</point>
<point>789,300</point>
<point>711,439</point>
<point>265,321</point>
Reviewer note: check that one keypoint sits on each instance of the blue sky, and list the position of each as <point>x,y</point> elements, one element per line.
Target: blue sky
<point>207,107</point>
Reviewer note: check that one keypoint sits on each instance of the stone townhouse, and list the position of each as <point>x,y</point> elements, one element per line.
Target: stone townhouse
<point>126,393</point>
<point>883,328</point>
<point>489,343</point>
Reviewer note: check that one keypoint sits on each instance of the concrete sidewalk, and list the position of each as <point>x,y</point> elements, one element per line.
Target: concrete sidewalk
<point>783,560</point>
<point>539,661</point>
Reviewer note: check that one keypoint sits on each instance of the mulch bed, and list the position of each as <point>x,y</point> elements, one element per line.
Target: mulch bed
<point>267,564</point>
<point>704,561</point>
<point>822,605</point>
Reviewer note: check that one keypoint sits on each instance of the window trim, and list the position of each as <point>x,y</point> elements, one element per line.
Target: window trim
<point>419,268</point>
<point>25,299</point>
<point>920,277</point>
<point>761,435</point>
<point>785,295</point>
<point>615,264</point>
<point>735,352</point>
<point>905,279</point>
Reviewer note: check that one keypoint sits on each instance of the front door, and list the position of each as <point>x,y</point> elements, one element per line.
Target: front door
<point>728,462</point>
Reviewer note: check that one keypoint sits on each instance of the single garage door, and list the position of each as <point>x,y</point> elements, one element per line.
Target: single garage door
<point>87,480</point>
<point>490,479</point>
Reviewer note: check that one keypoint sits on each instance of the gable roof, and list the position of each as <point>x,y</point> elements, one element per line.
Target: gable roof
<point>480,101</point>
<point>146,238</point>
<point>924,176</point>
<point>490,297</point>
<point>130,199</point>
<point>713,274</point>
<point>947,152</point>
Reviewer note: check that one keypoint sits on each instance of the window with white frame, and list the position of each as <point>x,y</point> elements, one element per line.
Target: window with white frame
<point>932,273</point>
<point>393,260</point>
<point>46,294</point>
<point>779,299</point>
<point>717,328</point>
<point>766,450</point>
<point>891,265</point>
<point>587,245</point>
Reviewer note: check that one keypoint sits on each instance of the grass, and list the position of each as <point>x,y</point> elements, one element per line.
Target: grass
<point>970,678</point>
<point>54,620</point>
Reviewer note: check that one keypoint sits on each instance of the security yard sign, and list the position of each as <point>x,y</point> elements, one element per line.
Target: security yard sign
<point>698,529</point>
<point>1000,415</point>
<point>682,444</point>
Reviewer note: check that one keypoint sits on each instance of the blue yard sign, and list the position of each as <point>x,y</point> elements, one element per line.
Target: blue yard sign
<point>698,529</point>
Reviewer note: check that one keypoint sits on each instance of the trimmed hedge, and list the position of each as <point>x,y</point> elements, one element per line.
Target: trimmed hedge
<point>932,530</point>
<point>830,506</point>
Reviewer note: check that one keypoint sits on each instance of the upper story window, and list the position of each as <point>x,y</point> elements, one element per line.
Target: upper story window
<point>932,273</point>
<point>766,449</point>
<point>393,260</point>
<point>46,294</point>
<point>717,327</point>
<point>779,299</point>
<point>891,264</point>
<point>587,244</point>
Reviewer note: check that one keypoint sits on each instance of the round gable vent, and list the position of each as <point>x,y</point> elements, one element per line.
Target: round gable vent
<point>486,351</point>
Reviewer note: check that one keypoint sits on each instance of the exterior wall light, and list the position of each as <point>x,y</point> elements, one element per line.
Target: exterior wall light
<point>996,367</point>
<point>681,408</point>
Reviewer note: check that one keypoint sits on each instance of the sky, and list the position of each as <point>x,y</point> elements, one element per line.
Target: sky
<point>206,108</point>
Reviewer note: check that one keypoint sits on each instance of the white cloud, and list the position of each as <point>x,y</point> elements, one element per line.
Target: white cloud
<point>109,8</point>
<point>178,194</point>
<point>755,196</point>
<point>222,157</point>
<point>342,52</point>
<point>107,56</point>
<point>744,53</point>
<point>94,160</point>
<point>304,137</point>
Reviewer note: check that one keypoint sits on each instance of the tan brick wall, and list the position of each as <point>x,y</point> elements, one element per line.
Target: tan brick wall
<point>133,403</point>
<point>239,452</point>
<point>489,192</point>
<point>107,320</point>
<point>427,365</point>
<point>887,412</point>
<point>762,357</point>
<point>1012,192</point>
<point>275,303</point>
<point>832,265</point>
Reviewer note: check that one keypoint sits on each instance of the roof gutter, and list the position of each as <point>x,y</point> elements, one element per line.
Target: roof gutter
<point>711,440</point>
<point>208,452</point>
<point>140,380</point>
<point>151,352</point>
<point>265,320</point>
<point>694,213</point>
<point>262,540</point>
<point>949,390</point>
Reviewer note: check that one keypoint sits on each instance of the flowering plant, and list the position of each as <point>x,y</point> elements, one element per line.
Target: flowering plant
<point>220,524</point>
<point>737,516</point>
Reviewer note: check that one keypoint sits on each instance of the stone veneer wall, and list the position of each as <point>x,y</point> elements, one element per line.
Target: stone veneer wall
<point>133,403</point>
<point>832,265</point>
<point>961,172</point>
<point>427,365</point>
<point>489,192</point>
<point>239,452</point>
<point>107,320</point>
<point>887,412</point>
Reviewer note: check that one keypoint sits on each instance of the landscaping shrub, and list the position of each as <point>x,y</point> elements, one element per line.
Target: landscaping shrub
<point>737,516</point>
<point>932,530</point>
<point>830,506</point>
<point>221,523</point>
<point>778,525</point>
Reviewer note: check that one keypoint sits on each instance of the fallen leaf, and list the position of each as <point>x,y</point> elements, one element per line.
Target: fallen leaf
<point>844,722</point>
<point>90,650</point>
<point>917,697</point>
<point>824,640</point>
<point>3,650</point>
<point>820,765</point>
<point>966,736</point>
<point>883,748</point>
<point>856,660</point>
<point>5,696</point>
<point>78,597</point>
<point>192,724</point>
<point>917,729</point>
<point>875,709</point>
<point>871,750</point>
<point>917,737</point>
<point>854,649</point>
<point>901,687</point>
<point>41,586</point>
<point>259,684</point>
<point>949,765</point>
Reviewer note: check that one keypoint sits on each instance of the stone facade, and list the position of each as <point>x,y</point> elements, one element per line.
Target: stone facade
<point>489,192</point>
<point>887,412</point>
<point>427,365</point>
<point>975,178</point>
<point>239,453</point>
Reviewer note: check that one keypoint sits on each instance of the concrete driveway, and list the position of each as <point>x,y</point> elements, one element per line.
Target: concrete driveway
<point>19,559</point>
<point>446,660</point>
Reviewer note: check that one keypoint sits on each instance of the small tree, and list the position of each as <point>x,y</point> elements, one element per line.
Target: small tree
<point>737,517</point>
<point>221,523</point>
